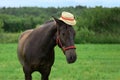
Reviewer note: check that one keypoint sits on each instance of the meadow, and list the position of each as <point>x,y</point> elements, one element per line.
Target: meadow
<point>94,62</point>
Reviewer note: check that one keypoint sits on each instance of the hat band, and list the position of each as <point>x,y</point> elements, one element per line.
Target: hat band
<point>70,19</point>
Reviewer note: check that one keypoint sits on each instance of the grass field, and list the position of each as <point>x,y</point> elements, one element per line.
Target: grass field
<point>95,62</point>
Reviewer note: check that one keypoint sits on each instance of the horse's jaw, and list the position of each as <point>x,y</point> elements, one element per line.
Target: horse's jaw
<point>70,55</point>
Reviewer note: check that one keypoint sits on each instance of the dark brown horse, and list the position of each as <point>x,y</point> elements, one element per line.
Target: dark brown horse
<point>36,47</point>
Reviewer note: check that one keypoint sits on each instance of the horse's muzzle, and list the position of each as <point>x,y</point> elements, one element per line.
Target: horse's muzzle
<point>71,55</point>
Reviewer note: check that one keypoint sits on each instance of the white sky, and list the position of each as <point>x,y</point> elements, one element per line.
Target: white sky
<point>60,3</point>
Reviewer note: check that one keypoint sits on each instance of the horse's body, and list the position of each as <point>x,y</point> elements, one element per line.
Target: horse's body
<point>36,50</point>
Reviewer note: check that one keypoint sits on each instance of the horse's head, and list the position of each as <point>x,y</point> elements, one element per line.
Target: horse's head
<point>65,40</point>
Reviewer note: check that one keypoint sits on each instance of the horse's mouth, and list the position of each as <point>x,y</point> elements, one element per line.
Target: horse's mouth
<point>71,59</point>
<point>71,56</point>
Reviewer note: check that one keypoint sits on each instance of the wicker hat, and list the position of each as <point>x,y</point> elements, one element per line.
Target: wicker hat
<point>68,18</point>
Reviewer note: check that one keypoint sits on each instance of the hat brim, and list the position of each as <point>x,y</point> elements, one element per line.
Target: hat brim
<point>68,22</point>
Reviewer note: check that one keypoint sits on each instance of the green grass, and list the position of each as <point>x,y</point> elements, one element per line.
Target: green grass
<point>95,62</point>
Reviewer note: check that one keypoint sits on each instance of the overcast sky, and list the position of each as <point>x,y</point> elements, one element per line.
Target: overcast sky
<point>60,3</point>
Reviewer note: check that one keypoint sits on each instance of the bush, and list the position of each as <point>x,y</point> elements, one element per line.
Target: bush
<point>9,37</point>
<point>106,38</point>
<point>1,25</point>
<point>84,36</point>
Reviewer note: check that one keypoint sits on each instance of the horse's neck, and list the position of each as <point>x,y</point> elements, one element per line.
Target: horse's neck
<point>50,35</point>
<point>47,36</point>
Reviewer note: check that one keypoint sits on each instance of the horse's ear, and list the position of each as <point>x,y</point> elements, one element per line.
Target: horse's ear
<point>59,22</point>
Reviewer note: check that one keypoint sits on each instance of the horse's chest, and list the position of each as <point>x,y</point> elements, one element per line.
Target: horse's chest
<point>42,60</point>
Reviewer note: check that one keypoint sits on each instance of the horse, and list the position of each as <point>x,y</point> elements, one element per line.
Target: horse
<point>36,47</point>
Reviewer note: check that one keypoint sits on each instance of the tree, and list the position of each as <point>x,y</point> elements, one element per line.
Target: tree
<point>1,25</point>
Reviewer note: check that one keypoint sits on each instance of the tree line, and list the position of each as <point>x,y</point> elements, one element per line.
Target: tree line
<point>94,25</point>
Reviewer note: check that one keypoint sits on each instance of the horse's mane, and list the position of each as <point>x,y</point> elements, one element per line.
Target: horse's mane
<point>45,23</point>
<point>48,21</point>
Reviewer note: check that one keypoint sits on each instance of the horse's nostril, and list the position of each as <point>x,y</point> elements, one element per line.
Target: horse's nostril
<point>71,59</point>
<point>71,56</point>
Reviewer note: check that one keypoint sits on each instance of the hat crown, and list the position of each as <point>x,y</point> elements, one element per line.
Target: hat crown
<point>67,15</point>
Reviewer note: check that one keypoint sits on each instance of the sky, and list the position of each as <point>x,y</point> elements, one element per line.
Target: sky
<point>59,3</point>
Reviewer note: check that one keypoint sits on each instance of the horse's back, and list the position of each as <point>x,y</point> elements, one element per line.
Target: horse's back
<point>25,34</point>
<point>22,40</point>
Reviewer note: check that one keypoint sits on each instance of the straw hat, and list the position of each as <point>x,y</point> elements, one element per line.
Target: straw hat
<point>68,18</point>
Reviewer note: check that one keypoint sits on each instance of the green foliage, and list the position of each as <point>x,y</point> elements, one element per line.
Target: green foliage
<point>100,19</point>
<point>16,24</point>
<point>94,25</point>
<point>94,62</point>
<point>106,38</point>
<point>1,26</point>
<point>103,24</point>
<point>9,37</point>
<point>20,19</point>
<point>84,36</point>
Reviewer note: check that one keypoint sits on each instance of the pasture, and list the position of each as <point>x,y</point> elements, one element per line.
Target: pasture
<point>94,62</point>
